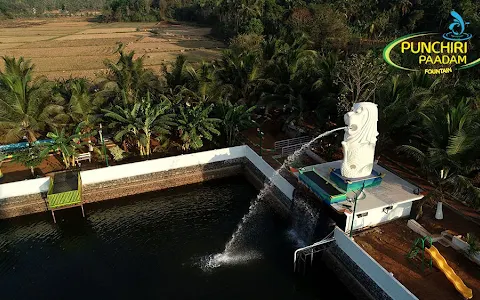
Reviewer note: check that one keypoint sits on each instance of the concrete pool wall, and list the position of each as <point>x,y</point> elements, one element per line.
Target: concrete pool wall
<point>27,197</point>
<point>346,258</point>
<point>377,282</point>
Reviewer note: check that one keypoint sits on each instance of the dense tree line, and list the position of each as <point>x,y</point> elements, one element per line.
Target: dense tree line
<point>367,18</point>
<point>25,8</point>
<point>132,10</point>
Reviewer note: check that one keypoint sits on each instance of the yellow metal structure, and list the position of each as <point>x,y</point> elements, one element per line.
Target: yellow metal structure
<point>441,263</point>
<point>65,191</point>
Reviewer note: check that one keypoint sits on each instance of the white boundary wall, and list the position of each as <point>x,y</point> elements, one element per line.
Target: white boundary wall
<point>282,184</point>
<point>373,269</point>
<point>160,165</point>
<point>36,186</point>
<point>23,188</point>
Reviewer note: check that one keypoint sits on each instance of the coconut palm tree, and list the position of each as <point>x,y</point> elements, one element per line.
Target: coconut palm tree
<point>179,73</point>
<point>204,83</point>
<point>240,74</point>
<point>399,101</point>
<point>289,78</point>
<point>195,124</point>
<point>447,147</point>
<point>25,106</point>
<point>128,75</point>
<point>326,88</point>
<point>199,86</point>
<point>80,104</point>
<point>141,120</point>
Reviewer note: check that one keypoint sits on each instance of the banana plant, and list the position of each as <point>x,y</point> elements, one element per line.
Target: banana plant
<point>67,144</point>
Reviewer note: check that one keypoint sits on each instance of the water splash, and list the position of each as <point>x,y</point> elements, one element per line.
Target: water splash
<point>234,251</point>
<point>213,261</point>
<point>304,223</point>
<point>293,236</point>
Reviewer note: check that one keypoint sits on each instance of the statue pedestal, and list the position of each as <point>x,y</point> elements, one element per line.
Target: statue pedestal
<point>355,184</point>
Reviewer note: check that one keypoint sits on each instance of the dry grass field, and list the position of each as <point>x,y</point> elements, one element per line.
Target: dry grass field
<point>65,47</point>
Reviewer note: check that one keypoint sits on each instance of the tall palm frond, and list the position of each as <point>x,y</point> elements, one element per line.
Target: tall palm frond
<point>26,107</point>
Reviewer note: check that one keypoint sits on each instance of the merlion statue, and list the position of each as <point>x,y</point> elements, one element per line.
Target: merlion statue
<point>360,139</point>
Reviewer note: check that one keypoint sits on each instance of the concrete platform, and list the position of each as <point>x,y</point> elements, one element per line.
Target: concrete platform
<point>390,200</point>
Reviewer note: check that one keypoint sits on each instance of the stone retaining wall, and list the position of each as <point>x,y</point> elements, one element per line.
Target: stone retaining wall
<point>161,180</point>
<point>35,203</point>
<point>22,205</point>
<point>351,275</point>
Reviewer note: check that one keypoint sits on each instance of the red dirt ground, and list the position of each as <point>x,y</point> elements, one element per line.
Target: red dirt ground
<point>389,243</point>
<point>16,172</point>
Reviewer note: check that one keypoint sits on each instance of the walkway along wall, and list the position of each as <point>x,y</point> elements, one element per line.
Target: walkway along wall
<point>20,198</point>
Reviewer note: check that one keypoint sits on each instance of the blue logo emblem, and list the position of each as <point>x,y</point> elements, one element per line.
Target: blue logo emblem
<point>457,29</point>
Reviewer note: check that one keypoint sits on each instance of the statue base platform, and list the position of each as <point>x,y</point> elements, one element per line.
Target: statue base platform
<point>355,184</point>
<point>322,187</point>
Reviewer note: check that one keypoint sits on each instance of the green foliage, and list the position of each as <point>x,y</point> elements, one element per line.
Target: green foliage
<point>131,11</point>
<point>25,105</point>
<point>137,122</point>
<point>67,144</point>
<point>195,125</point>
<point>326,27</point>
<point>290,76</point>
<point>235,119</point>
<point>240,73</point>
<point>254,26</point>
<point>31,157</point>
<point>76,97</point>
<point>178,73</point>
<point>446,147</point>
<point>128,76</point>
<point>300,62</point>
<point>399,99</point>
<point>11,9</point>
<point>117,153</point>
<point>473,244</point>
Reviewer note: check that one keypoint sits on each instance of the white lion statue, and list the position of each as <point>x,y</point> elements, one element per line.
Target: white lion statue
<point>359,141</point>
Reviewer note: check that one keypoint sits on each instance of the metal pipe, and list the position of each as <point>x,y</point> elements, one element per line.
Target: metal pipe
<point>103,145</point>
<point>355,207</point>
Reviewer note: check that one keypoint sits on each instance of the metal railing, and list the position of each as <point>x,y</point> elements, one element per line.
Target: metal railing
<point>291,149</point>
<point>284,143</point>
<point>308,251</point>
